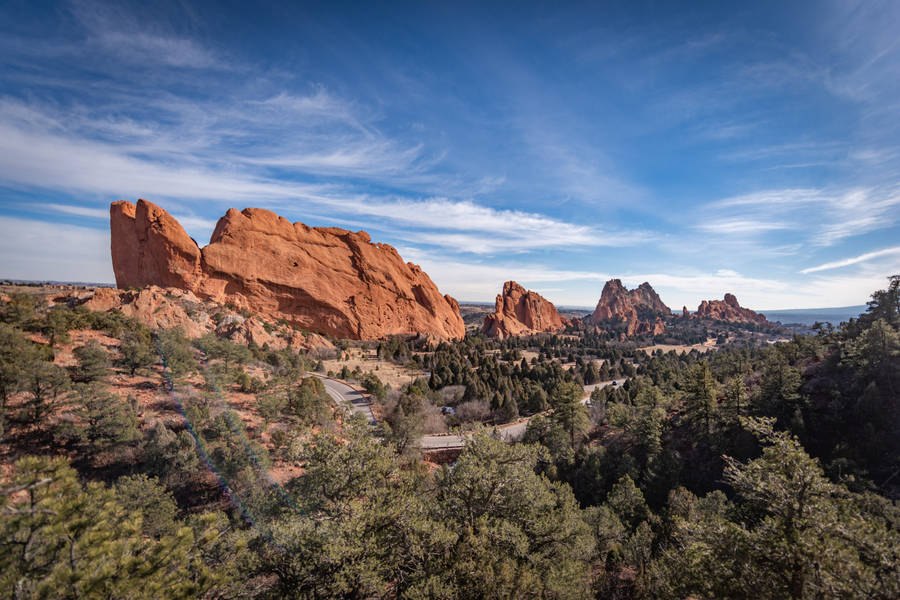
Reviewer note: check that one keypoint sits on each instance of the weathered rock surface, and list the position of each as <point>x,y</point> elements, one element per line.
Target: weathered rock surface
<point>149,247</point>
<point>321,279</point>
<point>729,310</point>
<point>640,311</point>
<point>164,308</point>
<point>518,311</point>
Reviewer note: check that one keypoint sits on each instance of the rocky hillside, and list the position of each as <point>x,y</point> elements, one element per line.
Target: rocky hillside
<point>518,311</point>
<point>638,311</point>
<point>321,279</point>
<point>160,308</point>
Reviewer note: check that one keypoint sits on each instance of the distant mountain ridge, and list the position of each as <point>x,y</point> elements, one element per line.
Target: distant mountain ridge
<point>809,316</point>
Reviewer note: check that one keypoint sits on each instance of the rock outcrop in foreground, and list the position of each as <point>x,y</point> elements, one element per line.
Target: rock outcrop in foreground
<point>640,310</point>
<point>730,311</point>
<point>518,311</point>
<point>164,308</point>
<point>321,279</point>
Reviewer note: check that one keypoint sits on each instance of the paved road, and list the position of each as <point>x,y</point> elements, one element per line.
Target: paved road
<point>510,432</point>
<point>348,396</point>
<point>590,388</point>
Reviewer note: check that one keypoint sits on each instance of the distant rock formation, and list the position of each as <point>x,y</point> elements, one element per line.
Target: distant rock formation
<point>518,311</point>
<point>321,279</point>
<point>729,310</point>
<point>640,310</point>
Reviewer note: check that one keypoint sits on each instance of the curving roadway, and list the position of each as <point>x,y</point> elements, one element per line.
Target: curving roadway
<point>357,401</point>
<point>349,397</point>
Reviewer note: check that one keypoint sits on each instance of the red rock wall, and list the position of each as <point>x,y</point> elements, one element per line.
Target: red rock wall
<point>323,279</point>
<point>729,310</point>
<point>618,304</point>
<point>518,311</point>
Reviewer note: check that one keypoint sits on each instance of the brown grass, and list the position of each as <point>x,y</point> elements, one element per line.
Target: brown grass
<point>706,346</point>
<point>388,372</point>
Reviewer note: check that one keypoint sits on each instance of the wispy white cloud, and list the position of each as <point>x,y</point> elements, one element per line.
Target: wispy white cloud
<point>81,211</point>
<point>48,160</point>
<point>485,229</point>
<point>853,260</point>
<point>776,198</point>
<point>819,217</point>
<point>319,104</point>
<point>39,156</point>
<point>130,38</point>
<point>144,48</point>
<point>745,226</point>
<point>482,281</point>
<point>40,250</point>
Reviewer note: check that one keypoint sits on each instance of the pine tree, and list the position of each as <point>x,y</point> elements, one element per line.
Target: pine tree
<point>700,399</point>
<point>108,419</point>
<point>15,352</point>
<point>59,540</point>
<point>93,362</point>
<point>570,413</point>
<point>45,382</point>
<point>518,534</point>
<point>799,535</point>
<point>736,398</point>
<point>137,352</point>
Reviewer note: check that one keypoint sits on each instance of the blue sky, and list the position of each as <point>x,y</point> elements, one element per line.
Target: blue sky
<point>751,148</point>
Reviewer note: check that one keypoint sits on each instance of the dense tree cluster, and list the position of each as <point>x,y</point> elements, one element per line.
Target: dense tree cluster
<point>501,379</point>
<point>750,472</point>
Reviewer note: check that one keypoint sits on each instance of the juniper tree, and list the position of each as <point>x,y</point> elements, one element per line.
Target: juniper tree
<point>175,351</point>
<point>168,454</point>
<point>56,325</point>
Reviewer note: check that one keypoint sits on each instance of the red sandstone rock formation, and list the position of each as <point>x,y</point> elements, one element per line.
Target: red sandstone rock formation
<point>518,311</point>
<point>729,310</point>
<point>149,247</point>
<point>322,279</point>
<point>640,310</point>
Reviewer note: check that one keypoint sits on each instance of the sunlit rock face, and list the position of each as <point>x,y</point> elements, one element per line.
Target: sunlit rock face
<point>518,311</point>
<point>323,279</point>
<point>641,310</point>
<point>729,310</point>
